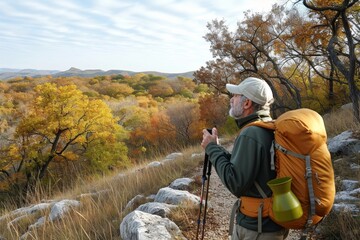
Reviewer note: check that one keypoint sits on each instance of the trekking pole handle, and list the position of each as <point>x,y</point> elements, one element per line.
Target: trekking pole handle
<point>206,160</point>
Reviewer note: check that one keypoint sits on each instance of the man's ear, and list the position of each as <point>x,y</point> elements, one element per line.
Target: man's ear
<point>248,104</point>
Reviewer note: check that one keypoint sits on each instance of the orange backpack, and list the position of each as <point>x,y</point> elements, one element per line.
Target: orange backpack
<point>300,153</point>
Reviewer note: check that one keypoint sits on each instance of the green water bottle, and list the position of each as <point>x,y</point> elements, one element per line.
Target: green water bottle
<point>286,206</point>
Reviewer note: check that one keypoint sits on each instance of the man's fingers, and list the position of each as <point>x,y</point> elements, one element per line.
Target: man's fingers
<point>214,132</point>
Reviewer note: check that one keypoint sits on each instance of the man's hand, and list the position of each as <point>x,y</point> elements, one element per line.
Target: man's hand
<point>207,137</point>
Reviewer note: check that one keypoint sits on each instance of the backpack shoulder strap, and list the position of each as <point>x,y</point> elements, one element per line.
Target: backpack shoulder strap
<point>271,126</point>
<point>267,125</point>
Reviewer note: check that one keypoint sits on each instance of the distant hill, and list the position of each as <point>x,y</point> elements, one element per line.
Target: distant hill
<point>8,73</point>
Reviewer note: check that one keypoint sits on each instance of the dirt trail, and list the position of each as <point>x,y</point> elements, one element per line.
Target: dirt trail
<point>220,203</point>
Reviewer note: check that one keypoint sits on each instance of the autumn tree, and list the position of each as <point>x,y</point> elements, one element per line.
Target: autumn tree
<point>216,74</point>
<point>160,89</point>
<point>183,86</point>
<point>214,109</point>
<point>115,90</point>
<point>135,114</point>
<point>185,119</point>
<point>131,113</point>
<point>161,133</point>
<point>157,136</point>
<point>342,19</point>
<point>61,124</point>
<point>250,51</point>
<point>306,45</point>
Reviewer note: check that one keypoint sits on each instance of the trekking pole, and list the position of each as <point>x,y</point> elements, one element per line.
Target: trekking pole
<point>207,164</point>
<point>206,160</point>
<point>206,198</point>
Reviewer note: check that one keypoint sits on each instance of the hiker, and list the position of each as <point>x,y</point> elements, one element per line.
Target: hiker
<point>250,159</point>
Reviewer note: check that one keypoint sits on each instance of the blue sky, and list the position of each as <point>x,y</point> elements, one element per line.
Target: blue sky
<point>146,35</point>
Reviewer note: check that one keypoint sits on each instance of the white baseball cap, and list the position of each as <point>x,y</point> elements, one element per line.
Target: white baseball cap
<point>255,89</point>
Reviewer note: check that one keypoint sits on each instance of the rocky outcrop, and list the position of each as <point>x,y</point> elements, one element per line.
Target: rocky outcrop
<point>345,143</point>
<point>57,211</point>
<point>347,199</point>
<point>149,220</point>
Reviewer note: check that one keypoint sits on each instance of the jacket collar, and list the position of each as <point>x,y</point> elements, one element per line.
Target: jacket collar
<point>257,116</point>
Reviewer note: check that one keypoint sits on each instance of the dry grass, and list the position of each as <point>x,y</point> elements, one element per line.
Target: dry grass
<point>339,121</point>
<point>340,226</point>
<point>185,217</point>
<point>99,217</point>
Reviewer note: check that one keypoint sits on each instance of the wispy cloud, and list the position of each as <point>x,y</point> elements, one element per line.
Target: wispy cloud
<point>163,35</point>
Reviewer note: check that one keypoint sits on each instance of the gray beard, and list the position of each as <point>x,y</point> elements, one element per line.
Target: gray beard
<point>232,114</point>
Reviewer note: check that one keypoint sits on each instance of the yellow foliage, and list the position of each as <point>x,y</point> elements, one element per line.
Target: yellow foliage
<point>61,122</point>
<point>13,152</point>
<point>3,125</point>
<point>71,156</point>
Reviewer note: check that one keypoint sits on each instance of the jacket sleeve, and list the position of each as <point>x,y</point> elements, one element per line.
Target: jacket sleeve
<point>238,170</point>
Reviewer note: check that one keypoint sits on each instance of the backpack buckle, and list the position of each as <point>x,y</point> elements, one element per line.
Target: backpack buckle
<point>308,172</point>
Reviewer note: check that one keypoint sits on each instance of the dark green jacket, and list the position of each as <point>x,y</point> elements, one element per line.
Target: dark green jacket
<point>248,162</point>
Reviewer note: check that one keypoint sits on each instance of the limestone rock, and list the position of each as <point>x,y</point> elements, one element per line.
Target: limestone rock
<point>344,144</point>
<point>139,225</point>
<point>60,208</point>
<point>173,196</point>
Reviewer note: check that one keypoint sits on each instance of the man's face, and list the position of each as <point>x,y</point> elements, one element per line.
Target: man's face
<point>236,106</point>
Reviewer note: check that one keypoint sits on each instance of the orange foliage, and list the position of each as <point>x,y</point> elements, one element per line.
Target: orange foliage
<point>214,110</point>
